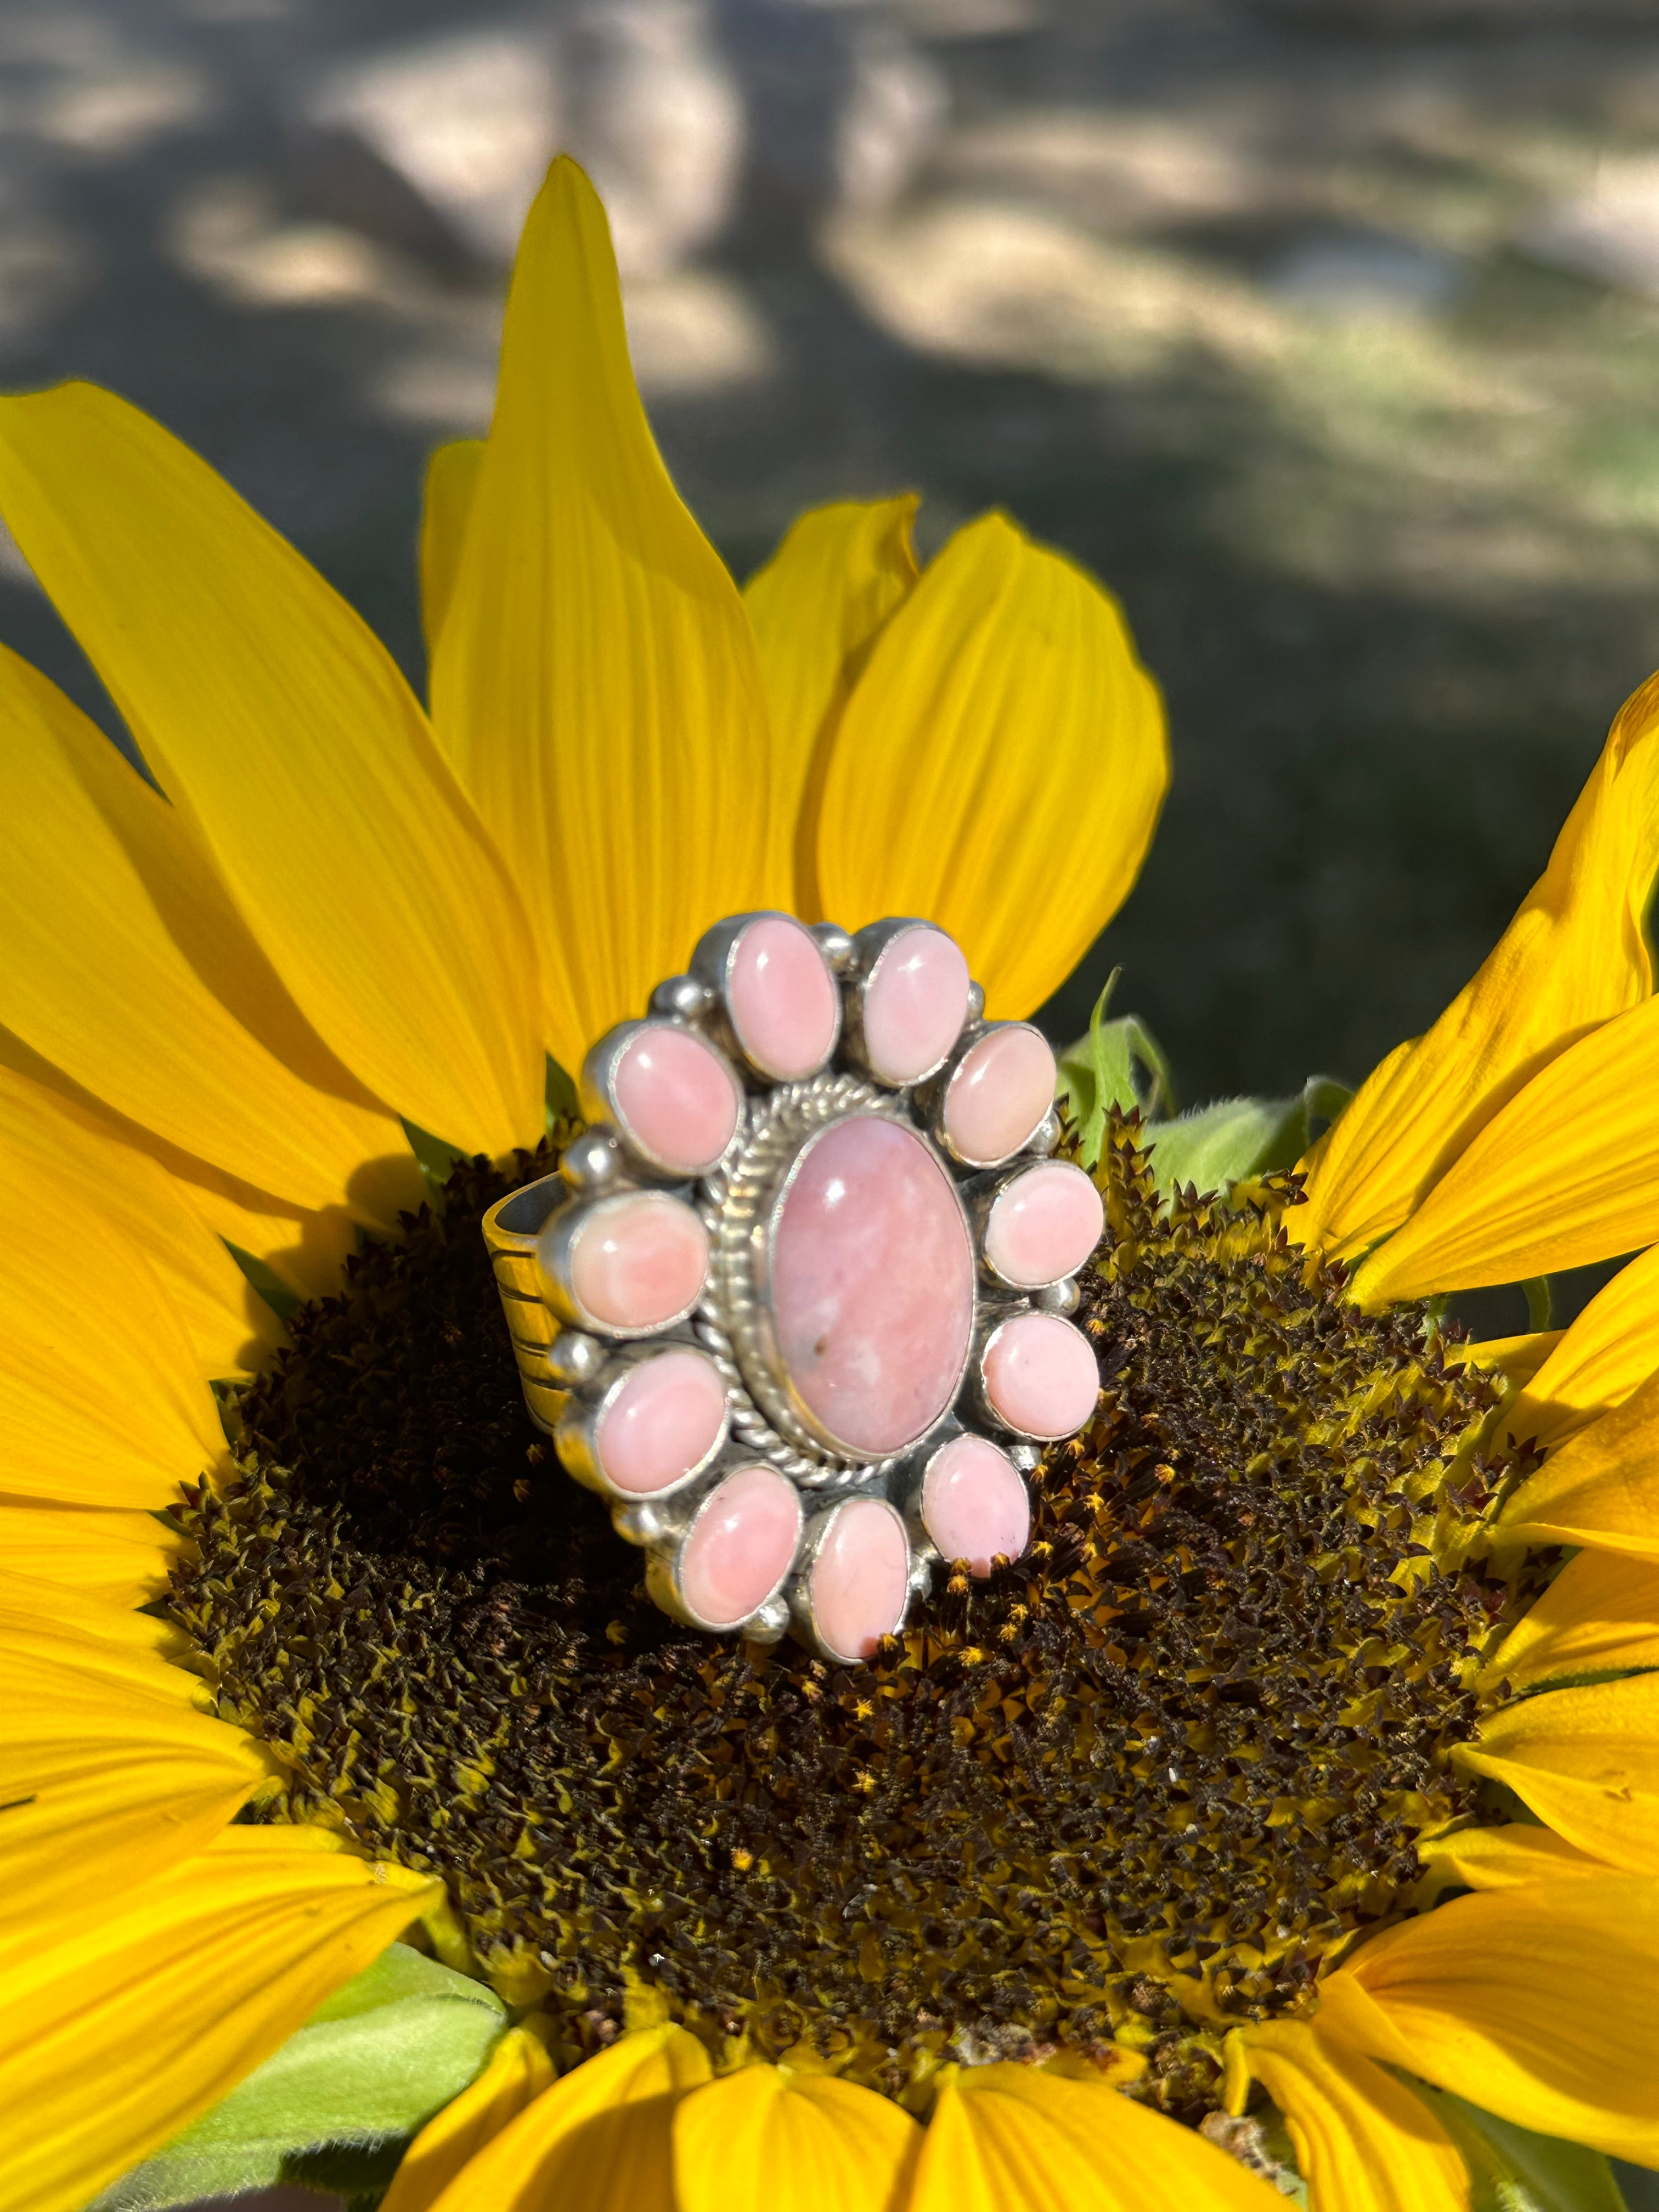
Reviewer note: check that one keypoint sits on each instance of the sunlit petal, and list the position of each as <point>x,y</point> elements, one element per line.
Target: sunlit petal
<point>1574,956</point>
<point>595,680</point>
<point>280,727</point>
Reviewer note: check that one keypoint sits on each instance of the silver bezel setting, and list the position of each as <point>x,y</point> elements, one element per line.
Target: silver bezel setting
<point>572,1365</point>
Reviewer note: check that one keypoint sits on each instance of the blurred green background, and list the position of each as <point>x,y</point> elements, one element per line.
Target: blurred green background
<point>1328,334</point>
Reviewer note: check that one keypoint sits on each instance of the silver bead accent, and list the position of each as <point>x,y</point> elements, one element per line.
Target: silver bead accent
<point>681,998</point>
<point>593,1161</point>
<point>574,1359</point>
<point>836,944</point>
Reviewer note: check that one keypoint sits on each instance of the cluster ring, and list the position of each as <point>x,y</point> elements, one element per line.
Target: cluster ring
<point>795,1303</point>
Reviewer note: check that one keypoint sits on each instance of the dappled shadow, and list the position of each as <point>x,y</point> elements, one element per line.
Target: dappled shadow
<point>1264,320</point>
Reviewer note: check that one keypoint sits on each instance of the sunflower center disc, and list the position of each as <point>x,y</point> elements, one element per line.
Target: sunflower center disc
<point>870,1276</point>
<point>1188,1742</point>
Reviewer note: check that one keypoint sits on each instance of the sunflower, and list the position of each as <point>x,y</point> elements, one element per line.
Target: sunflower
<point>1290,1808</point>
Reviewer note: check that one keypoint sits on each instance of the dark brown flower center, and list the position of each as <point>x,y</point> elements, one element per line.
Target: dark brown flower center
<point>1148,1779</point>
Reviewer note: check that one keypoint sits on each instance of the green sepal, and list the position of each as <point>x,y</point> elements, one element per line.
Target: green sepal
<point>1513,2170</point>
<point>284,1302</point>
<point>1119,1063</point>
<point>1214,1148</point>
<point>560,1093</point>
<point>435,1156</point>
<point>335,2105</point>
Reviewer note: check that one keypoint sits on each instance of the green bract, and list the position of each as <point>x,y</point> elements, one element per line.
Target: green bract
<point>370,2067</point>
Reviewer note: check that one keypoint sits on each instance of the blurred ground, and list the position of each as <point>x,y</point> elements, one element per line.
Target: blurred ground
<point>1326,331</point>
<point>1327,334</point>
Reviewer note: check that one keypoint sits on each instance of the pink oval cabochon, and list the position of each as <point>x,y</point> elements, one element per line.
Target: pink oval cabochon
<point>872,1282</point>
<point>860,1578</point>
<point>975,1503</point>
<point>915,1004</point>
<point>1042,1376</point>
<point>782,998</point>
<point>639,1261</point>
<point>676,1098</point>
<point>1002,1088</point>
<point>664,1419</point>
<point>741,1546</point>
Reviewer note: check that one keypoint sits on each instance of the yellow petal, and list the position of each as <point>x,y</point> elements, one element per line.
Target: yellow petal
<point>452,478</point>
<point>128,967</point>
<point>1602,1611</point>
<point>1608,1352</point>
<point>999,766</point>
<point>817,608</point>
<point>118,2035</point>
<point>599,2138</point>
<point>1565,1173</point>
<point>595,681</point>
<point>106,1784</point>
<point>1573,957</point>
<point>767,2139</point>
<point>305,1248</point>
<point>1010,2139</point>
<point>120,1558</point>
<point>1518,1358</point>
<point>33,1605</point>
<point>1601,1487</point>
<point>70,1166</point>
<point>282,730</point>
<point>1509,1857</point>
<point>101,1400</point>
<point>518,2070</point>
<point>1539,2004</point>
<point>1587,1761</point>
<point>1362,2140</point>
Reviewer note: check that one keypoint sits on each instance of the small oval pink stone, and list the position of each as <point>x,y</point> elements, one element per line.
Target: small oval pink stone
<point>782,998</point>
<point>676,1099</point>
<point>741,1546</point>
<point>1041,1376</point>
<point>915,1004</point>
<point>872,1274</point>
<point>1044,1225</point>
<point>860,1578</point>
<point>639,1261</point>
<point>975,1503</point>
<point>999,1093</point>
<point>662,1421</point>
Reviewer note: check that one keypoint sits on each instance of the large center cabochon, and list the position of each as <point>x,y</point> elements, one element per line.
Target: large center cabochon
<point>870,1269</point>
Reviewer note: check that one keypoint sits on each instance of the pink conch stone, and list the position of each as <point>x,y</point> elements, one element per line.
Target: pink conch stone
<point>639,1261</point>
<point>677,1100</point>
<point>975,1503</point>
<point>665,1419</point>
<point>782,998</point>
<point>1041,1376</point>
<point>915,1004</point>
<point>859,1579</point>
<point>873,1284</point>
<point>741,1546</point>
<point>1044,1224</point>
<point>999,1094</point>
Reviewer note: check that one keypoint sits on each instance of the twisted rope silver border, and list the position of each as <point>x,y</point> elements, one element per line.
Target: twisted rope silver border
<point>730,1201</point>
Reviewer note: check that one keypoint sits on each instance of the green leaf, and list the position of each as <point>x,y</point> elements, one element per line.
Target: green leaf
<point>1118,1064</point>
<point>284,1302</point>
<point>1512,2170</point>
<point>1214,1148</point>
<point>435,1156</point>
<point>334,2105</point>
<point>562,1103</point>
